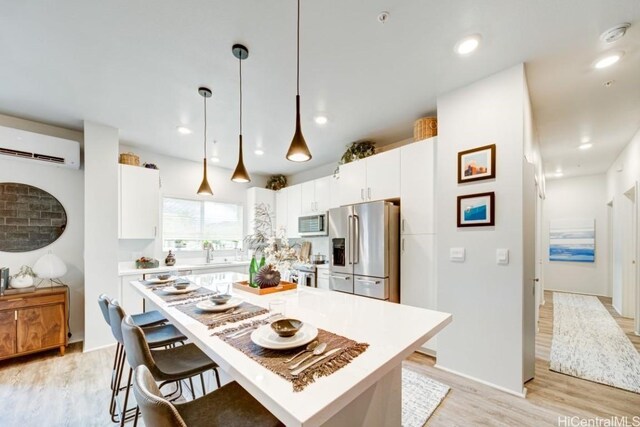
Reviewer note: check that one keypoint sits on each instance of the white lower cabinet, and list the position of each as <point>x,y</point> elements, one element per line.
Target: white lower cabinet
<point>418,275</point>
<point>323,278</point>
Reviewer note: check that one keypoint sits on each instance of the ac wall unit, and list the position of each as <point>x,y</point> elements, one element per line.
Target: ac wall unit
<point>35,147</point>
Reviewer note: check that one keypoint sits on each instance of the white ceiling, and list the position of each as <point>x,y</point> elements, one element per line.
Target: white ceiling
<point>137,66</point>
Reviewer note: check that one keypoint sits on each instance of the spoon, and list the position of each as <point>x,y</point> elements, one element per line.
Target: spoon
<point>316,352</point>
<point>310,347</point>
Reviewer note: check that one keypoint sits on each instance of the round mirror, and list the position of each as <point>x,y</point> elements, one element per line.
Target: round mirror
<point>30,218</point>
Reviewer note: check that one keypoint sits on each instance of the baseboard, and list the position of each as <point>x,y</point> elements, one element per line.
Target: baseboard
<point>89,350</point>
<point>76,337</point>
<point>427,352</point>
<point>575,292</point>
<point>523,394</point>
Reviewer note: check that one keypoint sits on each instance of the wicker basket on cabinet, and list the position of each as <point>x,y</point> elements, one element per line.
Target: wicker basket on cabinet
<point>426,127</point>
<point>129,159</point>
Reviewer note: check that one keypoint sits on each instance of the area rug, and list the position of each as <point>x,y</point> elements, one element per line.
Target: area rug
<point>420,397</point>
<point>588,343</point>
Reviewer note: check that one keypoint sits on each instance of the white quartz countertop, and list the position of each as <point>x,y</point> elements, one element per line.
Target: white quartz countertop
<point>129,270</point>
<point>393,332</point>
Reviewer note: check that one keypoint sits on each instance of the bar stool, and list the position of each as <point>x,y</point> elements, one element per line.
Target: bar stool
<point>227,406</point>
<point>155,336</point>
<point>171,365</point>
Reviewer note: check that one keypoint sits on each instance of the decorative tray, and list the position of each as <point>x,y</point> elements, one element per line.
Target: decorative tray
<point>283,286</point>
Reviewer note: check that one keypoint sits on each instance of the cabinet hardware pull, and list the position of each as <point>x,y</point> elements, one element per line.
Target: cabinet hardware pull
<point>362,193</point>
<point>15,313</point>
<point>403,225</point>
<point>369,192</point>
<point>402,245</point>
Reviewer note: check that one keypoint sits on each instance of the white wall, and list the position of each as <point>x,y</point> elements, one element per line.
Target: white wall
<point>622,175</point>
<point>578,198</point>
<point>486,300</point>
<point>101,228</point>
<point>181,178</point>
<point>314,173</point>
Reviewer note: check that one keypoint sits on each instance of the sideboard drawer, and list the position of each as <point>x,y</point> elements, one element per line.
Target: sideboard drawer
<point>20,301</point>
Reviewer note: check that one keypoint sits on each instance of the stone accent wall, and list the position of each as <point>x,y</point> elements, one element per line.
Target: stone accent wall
<point>30,218</point>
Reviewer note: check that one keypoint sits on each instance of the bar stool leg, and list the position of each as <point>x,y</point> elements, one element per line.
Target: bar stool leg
<point>126,400</point>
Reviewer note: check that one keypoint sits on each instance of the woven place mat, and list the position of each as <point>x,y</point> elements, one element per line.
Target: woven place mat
<point>213,320</point>
<point>199,294</point>
<point>273,360</point>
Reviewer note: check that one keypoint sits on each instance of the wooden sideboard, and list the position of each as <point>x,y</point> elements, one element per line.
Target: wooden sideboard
<point>33,321</point>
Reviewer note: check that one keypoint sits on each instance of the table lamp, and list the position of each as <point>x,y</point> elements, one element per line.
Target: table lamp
<point>50,267</point>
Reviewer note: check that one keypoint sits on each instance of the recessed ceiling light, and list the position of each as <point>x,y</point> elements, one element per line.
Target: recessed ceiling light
<point>214,159</point>
<point>585,146</point>
<point>321,120</point>
<point>184,130</point>
<point>468,44</point>
<point>608,60</point>
<point>615,33</point>
<point>259,152</point>
<point>559,174</point>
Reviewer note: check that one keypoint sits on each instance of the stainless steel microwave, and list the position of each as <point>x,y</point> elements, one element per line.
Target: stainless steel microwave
<point>313,225</point>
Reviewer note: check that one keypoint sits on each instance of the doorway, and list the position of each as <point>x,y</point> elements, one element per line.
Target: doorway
<point>629,241</point>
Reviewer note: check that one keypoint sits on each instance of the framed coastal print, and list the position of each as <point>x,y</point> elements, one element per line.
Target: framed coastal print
<point>476,210</point>
<point>572,240</point>
<point>477,164</point>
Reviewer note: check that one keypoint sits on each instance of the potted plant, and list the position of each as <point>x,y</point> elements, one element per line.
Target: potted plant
<point>356,151</point>
<point>23,278</point>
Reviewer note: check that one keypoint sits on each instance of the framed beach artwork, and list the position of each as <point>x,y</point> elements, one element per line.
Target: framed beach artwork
<point>572,240</point>
<point>477,164</point>
<point>476,210</point>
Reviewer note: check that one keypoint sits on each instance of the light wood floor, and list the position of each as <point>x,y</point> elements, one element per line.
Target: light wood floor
<point>48,390</point>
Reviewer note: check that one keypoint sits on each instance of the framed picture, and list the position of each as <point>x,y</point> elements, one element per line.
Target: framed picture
<point>476,210</point>
<point>572,240</point>
<point>477,164</point>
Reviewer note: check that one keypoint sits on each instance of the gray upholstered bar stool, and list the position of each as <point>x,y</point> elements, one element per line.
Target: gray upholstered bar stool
<point>171,365</point>
<point>146,319</point>
<point>228,406</point>
<point>155,337</point>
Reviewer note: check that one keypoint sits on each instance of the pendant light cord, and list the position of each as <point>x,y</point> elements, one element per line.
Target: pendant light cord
<point>205,127</point>
<point>298,52</point>
<point>240,60</point>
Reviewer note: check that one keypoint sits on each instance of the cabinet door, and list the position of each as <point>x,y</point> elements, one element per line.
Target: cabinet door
<point>417,187</point>
<point>353,182</point>
<point>294,200</point>
<point>40,327</point>
<point>334,193</point>
<point>130,300</point>
<point>139,202</point>
<point>281,209</point>
<point>383,176</point>
<point>323,278</point>
<point>323,193</point>
<point>308,197</point>
<point>7,333</point>
<point>417,274</point>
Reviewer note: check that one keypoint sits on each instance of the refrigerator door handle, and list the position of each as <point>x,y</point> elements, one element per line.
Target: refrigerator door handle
<point>340,277</point>
<point>373,282</point>
<point>350,239</point>
<point>356,239</point>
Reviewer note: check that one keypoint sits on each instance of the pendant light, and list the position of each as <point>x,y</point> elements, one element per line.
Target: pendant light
<point>205,188</point>
<point>240,174</point>
<point>298,150</point>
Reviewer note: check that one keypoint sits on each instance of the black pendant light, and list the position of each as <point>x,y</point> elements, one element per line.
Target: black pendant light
<point>205,188</point>
<point>240,174</point>
<point>298,150</point>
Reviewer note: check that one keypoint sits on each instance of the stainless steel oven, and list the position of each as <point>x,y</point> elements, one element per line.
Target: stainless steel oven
<point>306,275</point>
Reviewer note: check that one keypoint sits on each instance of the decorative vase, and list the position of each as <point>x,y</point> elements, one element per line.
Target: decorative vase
<point>21,282</point>
<point>170,259</point>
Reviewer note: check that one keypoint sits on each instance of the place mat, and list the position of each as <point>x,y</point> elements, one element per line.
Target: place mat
<point>199,294</point>
<point>273,360</point>
<point>213,320</point>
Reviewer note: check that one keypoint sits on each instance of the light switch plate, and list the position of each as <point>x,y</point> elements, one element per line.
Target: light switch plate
<point>502,256</point>
<point>456,254</point>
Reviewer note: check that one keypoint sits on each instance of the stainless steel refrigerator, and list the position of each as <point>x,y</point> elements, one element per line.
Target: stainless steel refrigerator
<point>364,250</point>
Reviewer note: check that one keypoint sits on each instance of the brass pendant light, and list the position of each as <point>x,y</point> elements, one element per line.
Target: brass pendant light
<point>298,150</point>
<point>205,188</point>
<point>240,174</point>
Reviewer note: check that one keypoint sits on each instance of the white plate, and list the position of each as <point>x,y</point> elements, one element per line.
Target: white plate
<point>157,280</point>
<point>266,337</point>
<point>173,291</point>
<point>207,305</point>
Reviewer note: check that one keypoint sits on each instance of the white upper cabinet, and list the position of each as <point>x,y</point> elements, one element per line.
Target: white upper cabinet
<point>417,187</point>
<point>139,202</point>
<point>294,204</point>
<point>334,193</point>
<point>281,209</point>
<point>353,181</point>
<point>383,176</point>
<point>374,178</point>
<point>323,193</point>
<point>308,198</point>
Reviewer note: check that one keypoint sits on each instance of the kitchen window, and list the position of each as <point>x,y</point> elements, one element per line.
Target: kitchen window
<point>188,224</point>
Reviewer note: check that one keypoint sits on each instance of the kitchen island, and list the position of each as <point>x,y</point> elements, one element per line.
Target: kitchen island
<point>365,392</point>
